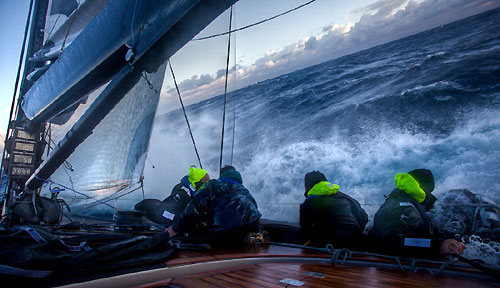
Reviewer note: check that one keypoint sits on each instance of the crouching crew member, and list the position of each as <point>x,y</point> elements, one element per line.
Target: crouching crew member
<point>330,216</point>
<point>226,206</point>
<point>166,211</point>
<point>402,226</point>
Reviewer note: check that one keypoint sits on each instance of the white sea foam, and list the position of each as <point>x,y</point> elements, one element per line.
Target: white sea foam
<point>171,153</point>
<point>438,84</point>
<point>363,167</point>
<point>437,54</point>
<point>484,250</point>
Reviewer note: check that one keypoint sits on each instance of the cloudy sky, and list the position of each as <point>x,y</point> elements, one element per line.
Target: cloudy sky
<point>320,31</point>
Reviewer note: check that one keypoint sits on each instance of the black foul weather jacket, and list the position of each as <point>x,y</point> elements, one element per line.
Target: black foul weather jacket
<point>168,210</point>
<point>402,227</point>
<point>224,205</point>
<point>336,219</point>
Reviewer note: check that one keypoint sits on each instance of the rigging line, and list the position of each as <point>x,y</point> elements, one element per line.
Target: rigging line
<point>142,187</point>
<point>107,200</point>
<point>150,162</point>
<point>49,131</point>
<point>16,85</point>
<point>254,24</point>
<point>69,28</point>
<point>69,176</point>
<point>225,87</point>
<point>132,24</point>
<point>144,75</point>
<point>57,19</point>
<point>83,194</point>
<point>185,115</point>
<point>54,26</point>
<point>234,95</point>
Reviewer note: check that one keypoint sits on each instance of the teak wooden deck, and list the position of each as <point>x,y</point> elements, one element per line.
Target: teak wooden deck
<point>266,266</point>
<point>269,275</point>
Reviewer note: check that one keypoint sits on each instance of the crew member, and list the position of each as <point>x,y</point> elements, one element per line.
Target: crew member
<point>402,226</point>
<point>330,216</point>
<point>166,211</point>
<point>226,206</point>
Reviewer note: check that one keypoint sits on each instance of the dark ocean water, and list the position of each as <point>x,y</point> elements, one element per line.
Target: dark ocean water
<point>431,100</point>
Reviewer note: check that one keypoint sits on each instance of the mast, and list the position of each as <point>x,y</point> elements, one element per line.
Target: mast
<point>23,149</point>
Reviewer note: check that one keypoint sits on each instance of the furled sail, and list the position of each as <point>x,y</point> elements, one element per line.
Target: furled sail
<point>64,21</point>
<point>100,50</point>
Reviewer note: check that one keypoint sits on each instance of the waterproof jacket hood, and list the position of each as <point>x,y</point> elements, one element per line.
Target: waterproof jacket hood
<point>195,175</point>
<point>323,188</point>
<point>232,174</point>
<point>406,182</point>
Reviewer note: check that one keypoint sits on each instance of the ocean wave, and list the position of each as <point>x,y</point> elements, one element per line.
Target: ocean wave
<point>436,85</point>
<point>359,119</point>
<point>364,167</point>
<point>434,55</point>
<point>482,249</point>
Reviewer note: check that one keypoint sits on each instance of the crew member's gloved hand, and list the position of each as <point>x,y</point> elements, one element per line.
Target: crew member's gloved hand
<point>171,232</point>
<point>451,246</point>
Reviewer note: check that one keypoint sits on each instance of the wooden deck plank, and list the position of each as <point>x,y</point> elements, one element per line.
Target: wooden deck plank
<point>310,280</point>
<point>260,276</point>
<point>371,276</point>
<point>279,275</point>
<point>345,276</point>
<point>198,283</point>
<point>387,277</point>
<point>338,275</point>
<point>220,282</point>
<point>232,280</point>
<point>334,277</point>
<point>252,281</point>
<point>217,271</point>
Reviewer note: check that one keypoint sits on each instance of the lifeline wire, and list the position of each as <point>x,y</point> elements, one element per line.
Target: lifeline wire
<point>225,87</point>
<point>185,115</point>
<point>254,24</point>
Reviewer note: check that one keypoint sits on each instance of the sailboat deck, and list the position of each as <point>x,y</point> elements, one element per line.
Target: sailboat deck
<point>267,266</point>
<point>270,275</point>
